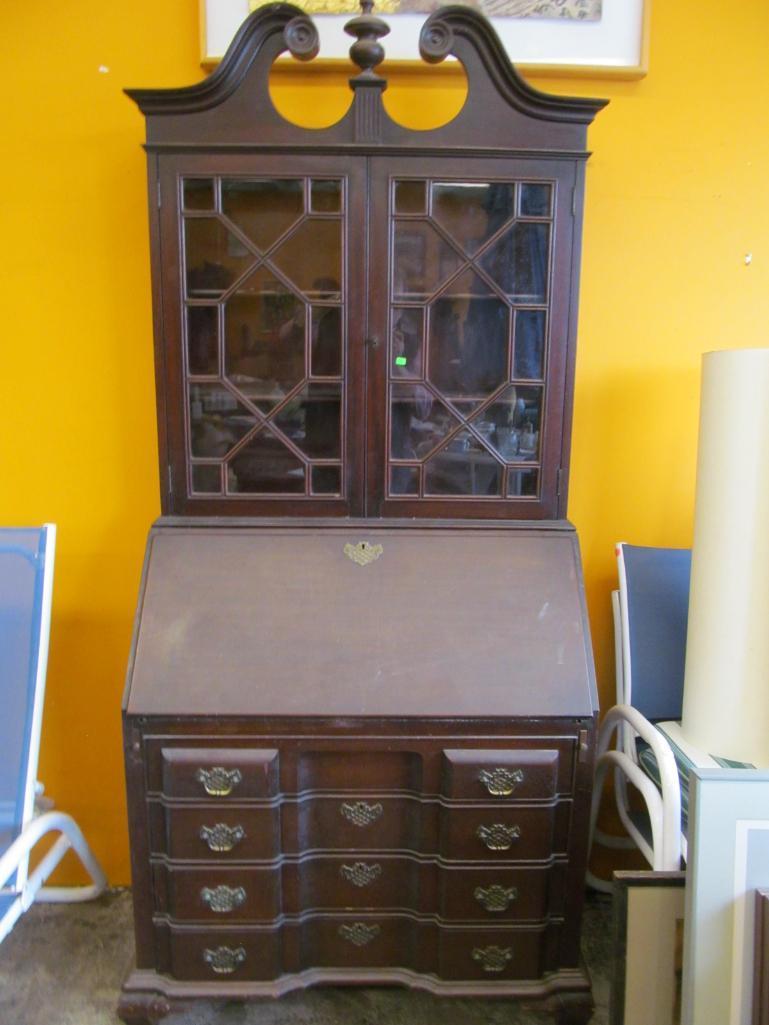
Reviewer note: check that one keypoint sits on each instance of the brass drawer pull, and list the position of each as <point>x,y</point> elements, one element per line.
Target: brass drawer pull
<point>224,960</point>
<point>360,813</point>
<point>498,837</point>
<point>223,898</point>
<point>495,897</point>
<point>360,874</point>
<point>359,934</point>
<point>501,782</point>
<point>221,837</point>
<point>218,781</point>
<point>363,553</point>
<point>492,959</point>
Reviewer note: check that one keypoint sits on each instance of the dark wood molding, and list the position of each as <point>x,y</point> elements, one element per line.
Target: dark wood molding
<point>448,28</point>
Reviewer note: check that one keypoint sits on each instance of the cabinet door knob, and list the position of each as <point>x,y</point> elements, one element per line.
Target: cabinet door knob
<point>360,813</point>
<point>224,960</point>
<point>501,782</point>
<point>358,933</point>
<point>218,781</point>
<point>498,837</point>
<point>495,897</point>
<point>360,874</point>
<point>221,837</point>
<point>223,899</point>
<point>492,959</point>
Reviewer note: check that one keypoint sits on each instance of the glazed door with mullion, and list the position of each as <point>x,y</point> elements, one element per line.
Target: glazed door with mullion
<point>473,322</point>
<point>261,260</point>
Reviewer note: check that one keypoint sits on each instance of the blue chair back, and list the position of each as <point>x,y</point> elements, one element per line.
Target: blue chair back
<point>656,590</point>
<point>26,568</point>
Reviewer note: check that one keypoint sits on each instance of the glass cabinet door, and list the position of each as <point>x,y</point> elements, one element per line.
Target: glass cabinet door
<point>472,325</point>
<point>265,300</point>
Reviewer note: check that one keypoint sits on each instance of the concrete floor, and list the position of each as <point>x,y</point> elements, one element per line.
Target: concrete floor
<point>64,964</point>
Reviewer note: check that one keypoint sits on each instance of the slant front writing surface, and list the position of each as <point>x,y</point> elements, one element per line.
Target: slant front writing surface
<point>274,621</point>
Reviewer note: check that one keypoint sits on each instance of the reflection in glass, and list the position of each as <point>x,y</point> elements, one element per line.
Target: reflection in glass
<point>422,260</point>
<point>217,420</point>
<point>263,209</point>
<point>406,344</point>
<point>202,339</point>
<point>207,479</point>
<point>468,340</point>
<point>536,199</point>
<point>326,348</point>
<point>463,467</point>
<point>418,421</point>
<point>522,483</point>
<point>326,197</point>
<point>312,258</point>
<point>511,424</point>
<point>326,480</point>
<point>312,419</point>
<point>410,197</point>
<point>518,262</point>
<point>214,257</point>
<point>472,211</point>
<point>529,343</point>
<point>198,194</point>
<point>265,466</point>
<point>404,480</point>
<point>264,335</point>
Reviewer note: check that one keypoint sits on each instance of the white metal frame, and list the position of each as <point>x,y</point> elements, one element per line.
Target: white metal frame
<point>14,862</point>
<point>622,724</point>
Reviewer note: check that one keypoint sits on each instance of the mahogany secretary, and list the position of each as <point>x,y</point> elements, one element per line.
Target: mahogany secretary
<point>360,710</point>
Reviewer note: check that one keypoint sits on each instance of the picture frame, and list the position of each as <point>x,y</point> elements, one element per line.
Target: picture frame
<point>761,959</point>
<point>728,863</point>
<point>648,915</point>
<point>616,45</point>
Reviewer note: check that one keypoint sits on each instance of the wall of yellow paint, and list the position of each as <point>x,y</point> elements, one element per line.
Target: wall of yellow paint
<point>676,196</point>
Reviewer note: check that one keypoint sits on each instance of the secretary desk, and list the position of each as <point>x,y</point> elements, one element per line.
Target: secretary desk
<point>360,710</point>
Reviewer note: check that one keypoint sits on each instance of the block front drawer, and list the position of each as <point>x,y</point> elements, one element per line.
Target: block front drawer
<point>219,773</point>
<point>484,774</point>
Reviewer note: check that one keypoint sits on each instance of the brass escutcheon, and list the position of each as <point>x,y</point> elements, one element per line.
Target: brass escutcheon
<point>495,897</point>
<point>360,874</point>
<point>218,781</point>
<point>223,899</point>
<point>363,553</point>
<point>221,837</point>
<point>224,960</point>
<point>498,837</point>
<point>360,813</point>
<point>492,959</point>
<point>501,782</point>
<point>358,933</point>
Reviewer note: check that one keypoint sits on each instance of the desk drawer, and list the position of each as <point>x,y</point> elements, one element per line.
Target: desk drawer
<point>499,774</point>
<point>219,955</point>
<point>220,774</point>
<point>496,833</point>
<point>219,895</point>
<point>212,832</point>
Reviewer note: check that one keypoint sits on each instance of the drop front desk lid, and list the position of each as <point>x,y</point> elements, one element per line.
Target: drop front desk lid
<point>266,619</point>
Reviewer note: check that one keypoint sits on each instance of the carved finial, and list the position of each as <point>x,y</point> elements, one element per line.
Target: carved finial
<point>367,52</point>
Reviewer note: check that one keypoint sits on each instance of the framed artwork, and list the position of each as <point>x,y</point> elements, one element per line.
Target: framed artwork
<point>761,959</point>
<point>728,863</point>
<point>604,37</point>
<point>648,937</point>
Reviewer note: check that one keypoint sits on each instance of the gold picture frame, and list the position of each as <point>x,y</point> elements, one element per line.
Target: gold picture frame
<point>617,46</point>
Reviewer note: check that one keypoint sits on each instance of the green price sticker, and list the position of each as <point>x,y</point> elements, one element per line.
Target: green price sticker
<point>400,361</point>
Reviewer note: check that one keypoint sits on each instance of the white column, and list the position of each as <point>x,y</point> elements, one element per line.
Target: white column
<point>726,686</point>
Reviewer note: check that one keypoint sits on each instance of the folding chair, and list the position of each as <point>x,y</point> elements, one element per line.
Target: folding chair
<point>26,583</point>
<point>650,621</point>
